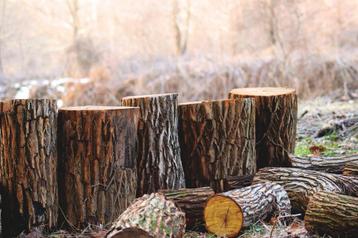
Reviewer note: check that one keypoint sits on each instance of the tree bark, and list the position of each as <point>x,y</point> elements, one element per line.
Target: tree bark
<point>351,169</point>
<point>192,202</point>
<point>217,140</point>
<point>301,184</point>
<point>332,214</point>
<point>276,121</point>
<point>28,161</point>
<point>97,175</point>
<point>226,213</point>
<point>325,164</point>
<point>159,163</point>
<point>236,182</point>
<point>149,216</point>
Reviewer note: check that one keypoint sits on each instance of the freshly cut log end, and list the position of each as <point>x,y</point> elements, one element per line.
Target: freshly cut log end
<point>276,121</point>
<point>217,140</point>
<point>150,216</point>
<point>351,168</point>
<point>97,163</point>
<point>225,214</point>
<point>28,162</point>
<point>300,184</point>
<point>159,165</point>
<point>332,214</point>
<point>191,201</point>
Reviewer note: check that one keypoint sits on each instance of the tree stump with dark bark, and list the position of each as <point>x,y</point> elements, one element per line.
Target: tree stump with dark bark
<point>191,201</point>
<point>226,213</point>
<point>159,163</point>
<point>300,184</point>
<point>149,216</point>
<point>351,169</point>
<point>28,162</point>
<point>325,164</point>
<point>217,140</point>
<point>276,121</point>
<point>97,173</point>
<point>332,214</point>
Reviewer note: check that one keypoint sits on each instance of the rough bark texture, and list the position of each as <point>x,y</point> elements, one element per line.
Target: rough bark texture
<point>276,121</point>
<point>217,140</point>
<point>351,169</point>
<point>332,214</point>
<point>191,201</point>
<point>159,163</point>
<point>28,164</point>
<point>236,182</point>
<point>256,202</point>
<point>150,216</point>
<point>97,177</point>
<point>301,184</point>
<point>325,164</point>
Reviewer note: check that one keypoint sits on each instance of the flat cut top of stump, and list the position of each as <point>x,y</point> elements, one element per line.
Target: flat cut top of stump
<point>151,95</point>
<point>264,91</point>
<point>95,108</point>
<point>206,101</point>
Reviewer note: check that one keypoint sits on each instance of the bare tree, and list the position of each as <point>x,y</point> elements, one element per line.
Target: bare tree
<point>181,19</point>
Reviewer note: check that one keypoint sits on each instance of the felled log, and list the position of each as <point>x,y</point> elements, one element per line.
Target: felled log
<point>301,184</point>
<point>276,121</point>
<point>159,163</point>
<point>332,214</point>
<point>28,162</point>
<point>325,164</point>
<point>235,182</point>
<point>97,175</point>
<point>217,140</point>
<point>191,201</point>
<point>149,216</point>
<point>226,213</point>
<point>351,169</point>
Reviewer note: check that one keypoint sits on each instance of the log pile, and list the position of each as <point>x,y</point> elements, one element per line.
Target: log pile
<point>351,169</point>
<point>226,213</point>
<point>217,140</point>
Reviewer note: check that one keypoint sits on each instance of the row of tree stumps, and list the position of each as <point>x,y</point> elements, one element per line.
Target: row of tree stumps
<point>85,165</point>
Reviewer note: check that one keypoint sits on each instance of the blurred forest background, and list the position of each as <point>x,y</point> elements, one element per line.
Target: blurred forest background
<point>96,51</point>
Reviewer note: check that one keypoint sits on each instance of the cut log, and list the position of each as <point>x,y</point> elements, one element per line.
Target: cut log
<point>351,169</point>
<point>332,214</point>
<point>225,214</point>
<point>217,140</point>
<point>28,161</point>
<point>236,182</point>
<point>149,216</point>
<point>325,164</point>
<point>301,184</point>
<point>97,174</point>
<point>159,163</point>
<point>276,121</point>
<point>191,201</point>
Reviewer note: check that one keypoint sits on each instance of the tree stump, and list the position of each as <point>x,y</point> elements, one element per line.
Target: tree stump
<point>159,163</point>
<point>351,169</point>
<point>28,161</point>
<point>325,164</point>
<point>332,214</point>
<point>276,121</point>
<point>97,175</point>
<point>149,216</point>
<point>191,201</point>
<point>217,140</point>
<point>226,213</point>
<point>301,184</point>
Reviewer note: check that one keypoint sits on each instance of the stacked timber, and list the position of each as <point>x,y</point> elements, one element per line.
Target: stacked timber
<point>159,165</point>
<point>226,213</point>
<point>351,169</point>
<point>217,140</point>
<point>276,121</point>
<point>28,162</point>
<point>97,173</point>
